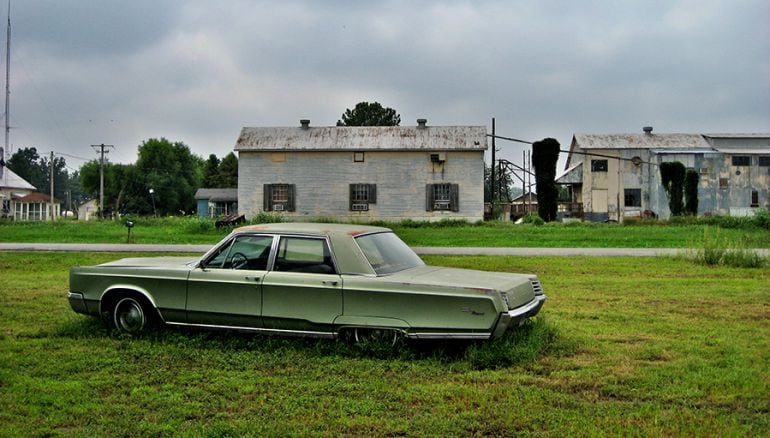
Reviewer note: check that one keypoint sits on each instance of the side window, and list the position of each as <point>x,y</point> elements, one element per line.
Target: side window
<point>299,254</point>
<point>361,195</point>
<point>633,197</point>
<point>245,252</point>
<point>279,197</point>
<point>598,165</point>
<point>442,197</point>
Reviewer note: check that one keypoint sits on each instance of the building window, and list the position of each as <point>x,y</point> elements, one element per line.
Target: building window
<point>598,165</point>
<point>442,197</point>
<point>741,160</point>
<point>633,197</point>
<point>358,157</point>
<point>279,197</point>
<point>754,198</point>
<point>764,161</point>
<point>724,183</point>
<point>361,195</point>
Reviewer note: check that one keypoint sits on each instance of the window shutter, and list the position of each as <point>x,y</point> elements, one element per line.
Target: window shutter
<point>292,198</point>
<point>372,193</point>
<point>266,198</point>
<point>454,197</point>
<point>350,196</point>
<point>429,197</point>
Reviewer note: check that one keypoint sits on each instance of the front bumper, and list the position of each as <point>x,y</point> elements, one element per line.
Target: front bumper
<point>518,315</point>
<point>77,302</point>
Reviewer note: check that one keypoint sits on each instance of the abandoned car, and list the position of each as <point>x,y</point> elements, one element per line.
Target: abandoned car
<point>321,280</point>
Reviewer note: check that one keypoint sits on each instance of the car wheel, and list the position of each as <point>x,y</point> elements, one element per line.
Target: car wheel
<point>375,336</point>
<point>130,316</point>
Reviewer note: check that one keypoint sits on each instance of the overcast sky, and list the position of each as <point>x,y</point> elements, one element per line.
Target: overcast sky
<point>119,72</point>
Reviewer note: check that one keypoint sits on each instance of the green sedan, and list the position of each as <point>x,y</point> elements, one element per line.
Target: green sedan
<point>320,280</point>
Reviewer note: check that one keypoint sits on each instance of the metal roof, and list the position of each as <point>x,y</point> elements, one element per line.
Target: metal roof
<point>573,175</point>
<point>641,141</point>
<point>221,195</point>
<point>9,180</point>
<point>363,138</point>
<point>311,228</point>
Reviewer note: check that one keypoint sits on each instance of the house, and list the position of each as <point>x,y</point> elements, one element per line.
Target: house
<point>12,188</point>
<point>35,206</point>
<point>617,176</point>
<point>88,210</point>
<point>523,205</point>
<point>216,202</point>
<point>363,173</point>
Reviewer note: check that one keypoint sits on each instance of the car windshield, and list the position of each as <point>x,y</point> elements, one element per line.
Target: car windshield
<point>387,253</point>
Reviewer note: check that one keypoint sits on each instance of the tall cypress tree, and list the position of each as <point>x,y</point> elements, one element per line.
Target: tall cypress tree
<point>545,154</point>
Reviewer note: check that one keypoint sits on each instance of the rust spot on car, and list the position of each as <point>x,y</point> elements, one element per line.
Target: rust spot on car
<point>355,233</point>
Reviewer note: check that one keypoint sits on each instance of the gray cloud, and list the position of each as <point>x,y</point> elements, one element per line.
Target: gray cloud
<point>196,71</point>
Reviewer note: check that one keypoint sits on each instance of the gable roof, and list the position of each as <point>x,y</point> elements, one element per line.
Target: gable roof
<point>217,195</point>
<point>36,197</point>
<point>363,138</point>
<point>640,141</point>
<point>9,180</point>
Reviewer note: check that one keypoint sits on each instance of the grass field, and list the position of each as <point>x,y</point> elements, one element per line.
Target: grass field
<point>488,234</point>
<point>631,346</point>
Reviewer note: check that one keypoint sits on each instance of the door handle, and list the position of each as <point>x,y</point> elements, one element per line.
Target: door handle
<point>248,277</point>
<point>330,283</point>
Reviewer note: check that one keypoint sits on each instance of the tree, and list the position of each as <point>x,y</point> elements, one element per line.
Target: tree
<point>211,172</point>
<point>545,154</point>
<point>172,171</point>
<point>672,177</point>
<point>691,179</point>
<point>25,162</point>
<point>369,114</point>
<point>503,185</point>
<point>228,171</point>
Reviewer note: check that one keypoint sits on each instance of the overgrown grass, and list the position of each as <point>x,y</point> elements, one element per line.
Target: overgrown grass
<point>715,250</point>
<point>193,230</point>
<point>625,346</point>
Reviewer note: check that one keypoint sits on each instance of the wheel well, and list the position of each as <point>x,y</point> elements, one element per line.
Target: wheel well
<point>111,298</point>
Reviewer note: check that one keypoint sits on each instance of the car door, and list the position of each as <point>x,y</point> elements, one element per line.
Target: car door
<point>226,290</point>
<point>303,291</point>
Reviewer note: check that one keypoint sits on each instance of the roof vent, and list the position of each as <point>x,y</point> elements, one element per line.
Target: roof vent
<point>647,129</point>
<point>305,123</point>
<point>421,123</point>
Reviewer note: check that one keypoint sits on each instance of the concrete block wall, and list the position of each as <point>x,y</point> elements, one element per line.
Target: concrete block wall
<point>322,182</point>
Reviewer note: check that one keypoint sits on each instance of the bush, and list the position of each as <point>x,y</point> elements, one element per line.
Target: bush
<point>533,219</point>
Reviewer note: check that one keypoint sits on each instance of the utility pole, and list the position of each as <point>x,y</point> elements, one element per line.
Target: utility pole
<point>492,171</point>
<point>7,77</point>
<point>50,204</point>
<point>99,148</point>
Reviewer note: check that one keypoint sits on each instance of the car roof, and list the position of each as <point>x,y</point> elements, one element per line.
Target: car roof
<point>321,229</point>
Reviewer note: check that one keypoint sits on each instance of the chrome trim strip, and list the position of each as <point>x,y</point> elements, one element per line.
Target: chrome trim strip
<point>330,335</point>
<point>449,335</point>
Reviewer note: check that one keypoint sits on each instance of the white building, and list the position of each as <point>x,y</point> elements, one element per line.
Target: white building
<point>391,172</point>
<point>615,176</point>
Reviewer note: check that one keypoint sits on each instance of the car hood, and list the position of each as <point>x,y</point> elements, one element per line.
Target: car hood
<point>150,262</point>
<point>464,278</point>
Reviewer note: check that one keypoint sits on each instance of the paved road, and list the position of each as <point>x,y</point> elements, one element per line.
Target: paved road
<point>100,247</point>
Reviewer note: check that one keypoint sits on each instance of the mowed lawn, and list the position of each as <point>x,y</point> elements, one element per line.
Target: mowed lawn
<point>486,234</point>
<point>636,346</point>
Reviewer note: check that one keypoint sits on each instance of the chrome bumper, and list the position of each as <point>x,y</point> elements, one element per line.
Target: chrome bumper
<point>77,302</point>
<point>518,315</point>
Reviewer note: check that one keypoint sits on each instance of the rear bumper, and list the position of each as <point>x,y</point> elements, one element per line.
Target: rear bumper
<point>516,316</point>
